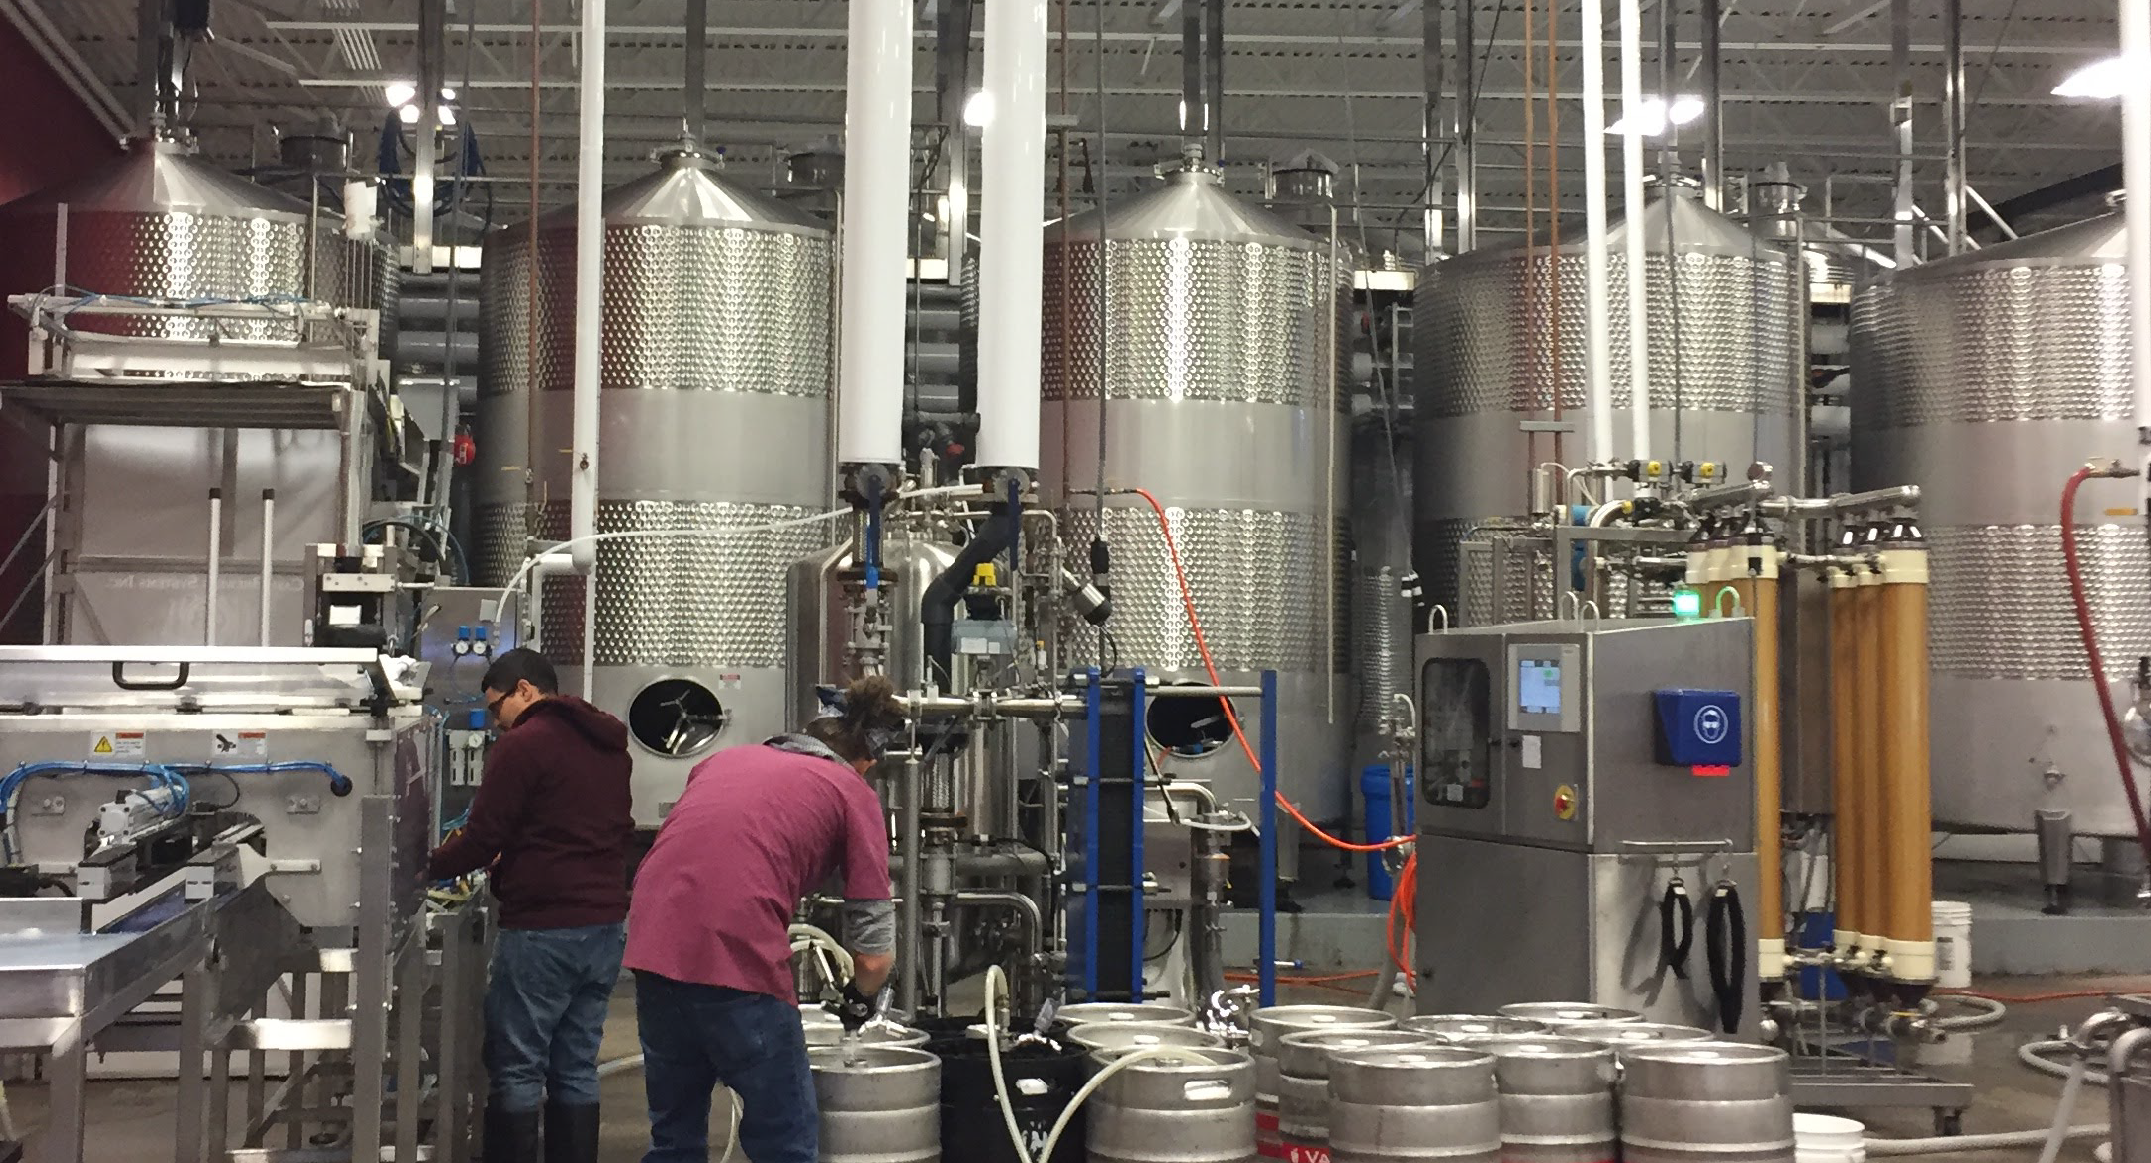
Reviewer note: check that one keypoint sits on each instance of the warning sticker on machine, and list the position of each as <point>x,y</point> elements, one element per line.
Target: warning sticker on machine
<point>241,745</point>
<point>118,745</point>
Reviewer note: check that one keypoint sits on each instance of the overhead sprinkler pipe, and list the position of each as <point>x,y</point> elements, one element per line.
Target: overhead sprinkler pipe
<point>1639,339</point>
<point>1012,235</point>
<point>877,202</point>
<point>1598,361</point>
<point>589,290</point>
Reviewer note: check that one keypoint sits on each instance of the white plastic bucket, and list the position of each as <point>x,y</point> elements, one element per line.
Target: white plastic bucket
<point>1952,944</point>
<point>1828,1139</point>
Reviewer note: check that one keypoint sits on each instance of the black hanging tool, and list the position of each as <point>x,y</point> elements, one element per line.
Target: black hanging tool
<point>1726,945</point>
<point>1676,928</point>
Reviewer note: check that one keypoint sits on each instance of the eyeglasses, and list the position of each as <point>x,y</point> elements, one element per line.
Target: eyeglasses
<point>492,707</point>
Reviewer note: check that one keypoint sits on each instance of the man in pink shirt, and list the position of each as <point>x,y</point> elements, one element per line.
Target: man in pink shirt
<point>755,831</point>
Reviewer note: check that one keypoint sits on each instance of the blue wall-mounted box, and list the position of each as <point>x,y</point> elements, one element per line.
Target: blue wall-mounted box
<point>1698,728</point>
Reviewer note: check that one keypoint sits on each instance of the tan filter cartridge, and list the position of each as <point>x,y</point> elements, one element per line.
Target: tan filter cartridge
<point>1762,598</point>
<point>1904,750</point>
<point>1847,843</point>
<point>1867,802</point>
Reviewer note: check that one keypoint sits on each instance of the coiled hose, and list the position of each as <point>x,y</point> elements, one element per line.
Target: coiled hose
<point>997,983</point>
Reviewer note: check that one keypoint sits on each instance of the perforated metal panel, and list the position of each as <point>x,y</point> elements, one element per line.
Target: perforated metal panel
<point>686,309</point>
<point>2000,607</point>
<point>1193,319</point>
<point>1724,333</point>
<point>1257,579</point>
<point>1995,343</point>
<point>685,601</point>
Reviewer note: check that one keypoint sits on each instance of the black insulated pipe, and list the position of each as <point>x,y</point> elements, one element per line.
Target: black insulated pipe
<point>937,607</point>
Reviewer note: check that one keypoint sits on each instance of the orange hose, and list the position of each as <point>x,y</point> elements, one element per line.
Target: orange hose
<point>1202,643</point>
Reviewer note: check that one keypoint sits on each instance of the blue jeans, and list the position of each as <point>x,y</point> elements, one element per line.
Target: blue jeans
<point>545,1013</point>
<point>696,1036</point>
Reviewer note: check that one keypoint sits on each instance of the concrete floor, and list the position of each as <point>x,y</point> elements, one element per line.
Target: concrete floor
<point>133,1120</point>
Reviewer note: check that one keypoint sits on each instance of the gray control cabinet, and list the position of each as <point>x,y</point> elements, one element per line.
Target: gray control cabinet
<point>1550,828</point>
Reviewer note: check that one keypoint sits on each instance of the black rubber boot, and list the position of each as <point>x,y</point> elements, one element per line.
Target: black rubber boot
<point>571,1133</point>
<point>511,1136</point>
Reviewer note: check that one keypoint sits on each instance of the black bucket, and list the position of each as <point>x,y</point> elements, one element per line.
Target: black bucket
<point>1041,1081</point>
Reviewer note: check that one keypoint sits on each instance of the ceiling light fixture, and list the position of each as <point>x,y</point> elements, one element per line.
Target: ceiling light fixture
<point>1651,118</point>
<point>400,93</point>
<point>2101,80</point>
<point>978,109</point>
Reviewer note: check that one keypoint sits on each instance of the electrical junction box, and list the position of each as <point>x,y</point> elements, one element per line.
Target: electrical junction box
<point>1699,729</point>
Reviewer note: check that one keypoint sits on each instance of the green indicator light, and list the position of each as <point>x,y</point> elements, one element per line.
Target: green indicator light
<point>1687,604</point>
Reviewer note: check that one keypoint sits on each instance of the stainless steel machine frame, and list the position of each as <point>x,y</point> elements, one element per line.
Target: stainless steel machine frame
<point>309,894</point>
<point>1550,889</point>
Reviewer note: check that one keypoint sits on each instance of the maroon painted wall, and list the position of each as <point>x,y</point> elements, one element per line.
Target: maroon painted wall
<point>46,135</point>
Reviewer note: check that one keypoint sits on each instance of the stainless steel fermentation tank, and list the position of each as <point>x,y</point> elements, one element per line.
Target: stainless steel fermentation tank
<point>159,223</point>
<point>1221,353</point>
<point>1725,363</point>
<point>1986,379</point>
<point>715,374</point>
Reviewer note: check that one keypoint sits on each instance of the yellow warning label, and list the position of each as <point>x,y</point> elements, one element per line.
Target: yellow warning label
<point>118,745</point>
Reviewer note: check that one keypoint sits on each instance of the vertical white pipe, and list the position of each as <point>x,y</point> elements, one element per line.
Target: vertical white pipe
<point>877,199</point>
<point>1598,361</point>
<point>1639,335</point>
<point>216,561</point>
<point>268,561</point>
<point>1012,216</point>
<point>2135,24</point>
<point>589,289</point>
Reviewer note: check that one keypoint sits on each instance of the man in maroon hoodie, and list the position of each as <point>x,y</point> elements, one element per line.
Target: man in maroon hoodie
<point>553,818</point>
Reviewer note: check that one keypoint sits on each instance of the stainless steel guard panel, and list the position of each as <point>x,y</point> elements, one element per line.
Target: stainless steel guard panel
<point>686,309</point>
<point>2000,606</point>
<point>1738,336</point>
<point>687,601</point>
<point>1257,580</point>
<point>1990,343</point>
<point>1193,319</point>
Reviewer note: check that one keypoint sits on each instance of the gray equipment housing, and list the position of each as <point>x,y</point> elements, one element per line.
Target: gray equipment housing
<point>1549,889</point>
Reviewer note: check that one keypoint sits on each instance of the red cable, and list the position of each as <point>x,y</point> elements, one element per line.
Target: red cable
<point>2122,761</point>
<point>1202,643</point>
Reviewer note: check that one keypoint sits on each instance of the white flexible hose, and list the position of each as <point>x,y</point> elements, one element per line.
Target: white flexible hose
<point>806,937</point>
<point>994,978</point>
<point>2033,1054</point>
<point>2062,1108</point>
<point>1954,1144</point>
<point>996,981</point>
<point>1990,1013</point>
<point>1097,1080</point>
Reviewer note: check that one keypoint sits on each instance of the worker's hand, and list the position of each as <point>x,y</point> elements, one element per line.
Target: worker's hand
<point>852,1008</point>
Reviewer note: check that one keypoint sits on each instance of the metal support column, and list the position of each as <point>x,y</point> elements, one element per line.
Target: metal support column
<point>1901,130</point>
<point>1953,107</point>
<point>1266,869</point>
<point>432,19</point>
<point>1214,66</point>
<point>1467,129</point>
<point>1434,128</point>
<point>1713,109</point>
<point>694,111</point>
<point>952,89</point>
